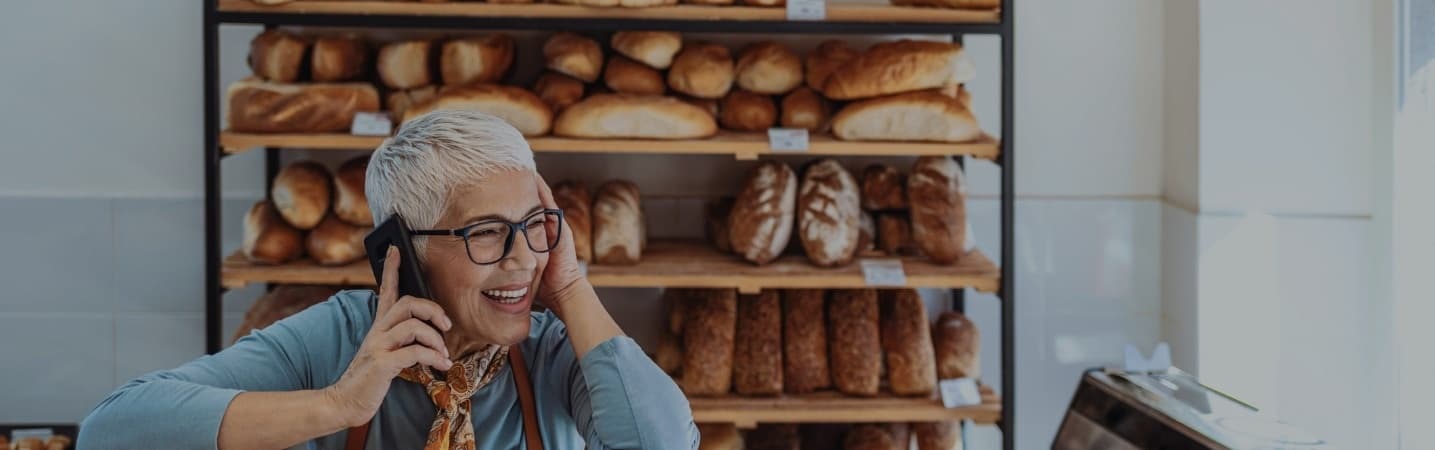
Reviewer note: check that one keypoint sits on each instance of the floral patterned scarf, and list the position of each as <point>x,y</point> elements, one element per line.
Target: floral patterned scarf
<point>453,425</point>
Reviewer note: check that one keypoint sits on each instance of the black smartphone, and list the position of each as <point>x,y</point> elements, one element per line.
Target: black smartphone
<point>396,233</point>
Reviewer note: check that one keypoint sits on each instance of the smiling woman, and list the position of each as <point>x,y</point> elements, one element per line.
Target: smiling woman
<point>407,372</point>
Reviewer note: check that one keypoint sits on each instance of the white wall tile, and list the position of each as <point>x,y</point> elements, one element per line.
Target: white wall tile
<point>60,255</point>
<point>148,342</point>
<point>1178,286</point>
<point>159,240</point>
<point>57,366</point>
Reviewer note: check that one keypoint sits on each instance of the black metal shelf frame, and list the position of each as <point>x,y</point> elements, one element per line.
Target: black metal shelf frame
<point>214,155</point>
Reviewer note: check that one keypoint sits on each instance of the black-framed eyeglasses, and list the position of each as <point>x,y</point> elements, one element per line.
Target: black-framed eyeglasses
<point>489,241</point>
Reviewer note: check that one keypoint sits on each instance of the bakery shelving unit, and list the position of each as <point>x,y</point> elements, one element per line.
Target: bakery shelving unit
<point>666,263</point>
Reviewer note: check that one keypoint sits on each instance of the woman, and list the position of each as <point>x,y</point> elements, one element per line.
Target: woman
<point>365,358</point>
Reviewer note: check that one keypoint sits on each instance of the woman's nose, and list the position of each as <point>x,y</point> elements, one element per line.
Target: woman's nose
<point>520,258</point>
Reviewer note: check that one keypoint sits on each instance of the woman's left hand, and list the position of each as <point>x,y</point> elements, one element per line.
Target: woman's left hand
<point>563,274</point>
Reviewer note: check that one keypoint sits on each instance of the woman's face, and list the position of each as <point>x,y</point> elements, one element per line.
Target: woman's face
<point>481,298</point>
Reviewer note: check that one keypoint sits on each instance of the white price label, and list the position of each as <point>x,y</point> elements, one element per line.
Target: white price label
<point>958,392</point>
<point>806,9</point>
<point>787,139</point>
<point>884,272</point>
<point>371,124</point>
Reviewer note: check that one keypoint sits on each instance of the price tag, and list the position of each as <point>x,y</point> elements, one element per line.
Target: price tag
<point>884,272</point>
<point>371,124</point>
<point>958,392</point>
<point>787,139</point>
<point>806,9</point>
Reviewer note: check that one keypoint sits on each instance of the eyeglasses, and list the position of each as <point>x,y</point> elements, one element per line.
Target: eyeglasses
<point>489,241</point>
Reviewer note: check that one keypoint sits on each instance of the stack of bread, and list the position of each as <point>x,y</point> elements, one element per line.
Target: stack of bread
<point>283,301</point>
<point>310,211</point>
<point>608,228</point>
<point>302,85</point>
<point>903,90</point>
<point>836,217</point>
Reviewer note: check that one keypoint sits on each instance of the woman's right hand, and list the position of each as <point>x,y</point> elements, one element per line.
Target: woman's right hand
<point>400,337</point>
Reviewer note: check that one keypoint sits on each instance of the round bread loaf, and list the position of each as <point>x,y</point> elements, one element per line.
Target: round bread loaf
<point>623,75</point>
<point>619,232</point>
<point>829,213</point>
<point>958,345</point>
<point>574,55</point>
<point>406,64</point>
<point>883,188</point>
<point>268,239</point>
<point>338,58</point>
<point>634,116</point>
<point>746,111</point>
<point>938,195</point>
<point>768,68</point>
<point>654,48</point>
<point>828,56</point>
<point>515,105</point>
<point>803,108</point>
<point>399,102</point>
<point>350,203</point>
<point>335,243</point>
<point>278,56</point>
<point>478,59</point>
<point>573,198</point>
<point>302,192</point>
<point>870,437</point>
<point>703,70</point>
<point>762,216</point>
<point>559,91</point>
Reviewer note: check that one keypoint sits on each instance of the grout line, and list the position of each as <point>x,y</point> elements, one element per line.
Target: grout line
<point>1276,214</point>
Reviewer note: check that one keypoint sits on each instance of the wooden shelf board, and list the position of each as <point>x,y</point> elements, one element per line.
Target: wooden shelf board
<point>741,145</point>
<point>666,263</point>
<point>836,12</point>
<point>832,407</point>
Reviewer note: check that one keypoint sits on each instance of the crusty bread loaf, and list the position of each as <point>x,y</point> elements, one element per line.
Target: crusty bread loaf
<point>350,203</point>
<point>716,214</point>
<point>803,108</point>
<point>870,437</point>
<point>894,234</point>
<point>623,75</point>
<point>769,68</point>
<point>573,198</point>
<point>958,346</point>
<point>757,364</point>
<point>654,48</point>
<point>938,194</point>
<point>335,243</point>
<point>559,91</point>
<point>747,111</point>
<point>268,239</point>
<point>669,356</point>
<point>883,188</point>
<point>619,233</point>
<point>399,102</point>
<point>899,66</point>
<point>677,302</point>
<point>828,56</point>
<point>302,193</point>
<point>477,59</point>
<point>907,342</point>
<point>278,56</point>
<point>913,116</point>
<point>338,58</point>
<point>515,105</point>
<point>284,301</point>
<point>634,116</point>
<point>262,107</point>
<point>855,348</point>
<point>954,4</point>
<point>901,434</point>
<point>703,70</point>
<point>774,436</point>
<point>867,233</point>
<point>938,435</point>
<point>708,333</point>
<point>719,437</point>
<point>761,221</point>
<point>828,213</point>
<point>706,104</point>
<point>616,3</point>
<point>574,55</point>
<point>804,341</point>
<point>406,64</point>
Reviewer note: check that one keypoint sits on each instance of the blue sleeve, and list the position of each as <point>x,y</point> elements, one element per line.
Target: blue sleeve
<point>617,396</point>
<point>183,407</point>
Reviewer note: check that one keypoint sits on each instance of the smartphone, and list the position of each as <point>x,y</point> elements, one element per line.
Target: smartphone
<point>396,233</point>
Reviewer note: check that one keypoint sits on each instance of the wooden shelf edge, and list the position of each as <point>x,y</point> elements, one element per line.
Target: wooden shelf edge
<point>747,412</point>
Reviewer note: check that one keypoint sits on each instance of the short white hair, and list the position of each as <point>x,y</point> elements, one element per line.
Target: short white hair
<point>413,172</point>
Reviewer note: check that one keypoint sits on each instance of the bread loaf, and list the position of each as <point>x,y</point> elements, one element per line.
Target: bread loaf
<point>619,3</point>
<point>335,243</point>
<point>399,102</point>
<point>717,211</point>
<point>268,239</point>
<point>774,436</point>
<point>855,347</point>
<point>870,437</point>
<point>669,356</point>
<point>619,233</point>
<point>677,302</point>
<point>894,234</point>
<point>938,435</point>
<point>829,213</point>
<point>907,342</point>
<point>828,56</point>
<point>515,105</point>
<point>746,111</point>
<point>703,70</point>
<point>706,104</point>
<point>654,48</point>
<point>626,76</point>
<point>719,437</point>
<point>883,188</point>
<point>954,4</point>
<point>899,66</point>
<point>958,345</point>
<point>761,221</point>
<point>765,2</point>
<point>406,64</point>
<point>559,91</point>
<point>938,195</point>
<point>574,55</point>
<point>479,59</point>
<point>901,434</point>
<point>769,68</point>
<point>30,444</point>
<point>302,194</point>
<point>710,2</point>
<point>757,364</point>
<point>350,203</point>
<point>804,341</point>
<point>261,107</point>
<point>634,116</point>
<point>338,58</point>
<point>803,108</point>
<point>58,442</point>
<point>573,198</point>
<point>913,116</point>
<point>708,332</point>
<point>277,56</point>
<point>284,301</point>
<point>867,233</point>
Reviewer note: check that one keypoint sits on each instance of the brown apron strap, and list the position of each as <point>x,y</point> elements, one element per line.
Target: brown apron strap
<point>359,436</point>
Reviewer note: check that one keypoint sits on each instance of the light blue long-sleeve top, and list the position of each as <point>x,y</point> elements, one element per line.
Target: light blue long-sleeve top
<point>614,398</point>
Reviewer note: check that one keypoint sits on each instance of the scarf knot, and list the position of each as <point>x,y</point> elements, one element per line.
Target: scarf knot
<point>452,427</point>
